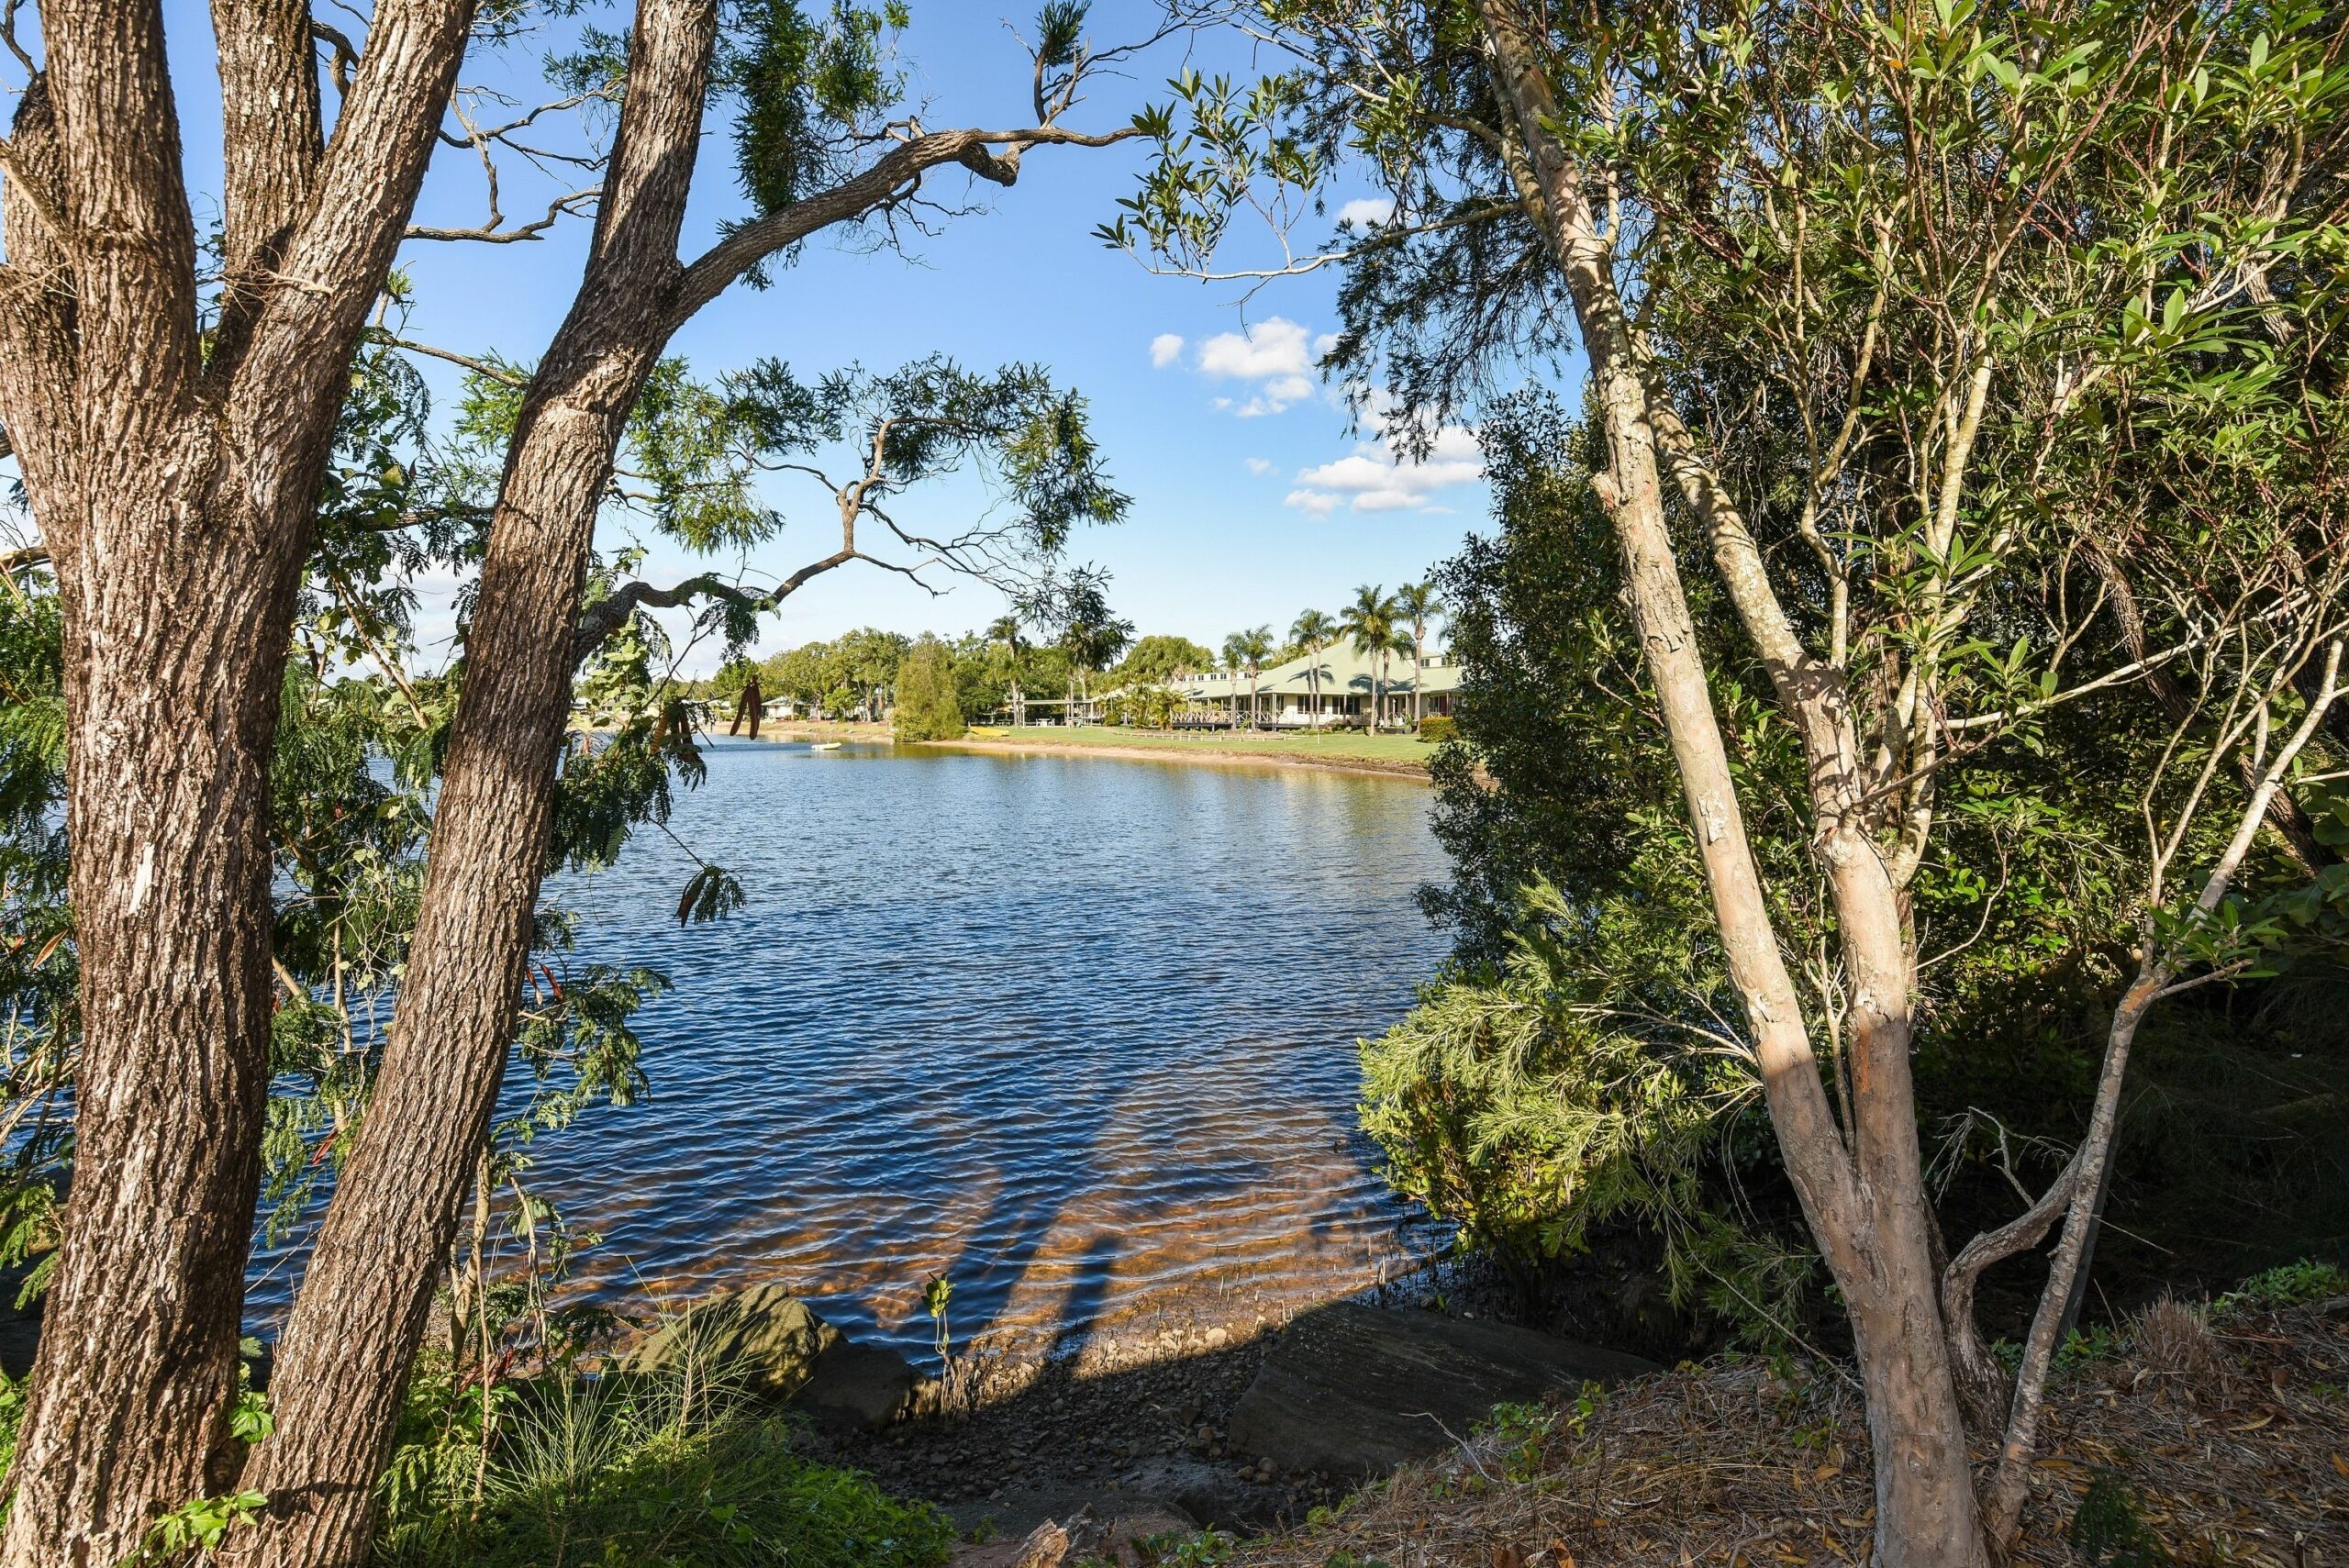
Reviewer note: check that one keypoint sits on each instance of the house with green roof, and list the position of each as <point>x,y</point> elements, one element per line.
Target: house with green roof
<point>1336,686</point>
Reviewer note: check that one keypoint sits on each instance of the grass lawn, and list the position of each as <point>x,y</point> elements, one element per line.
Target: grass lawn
<point>1244,744</point>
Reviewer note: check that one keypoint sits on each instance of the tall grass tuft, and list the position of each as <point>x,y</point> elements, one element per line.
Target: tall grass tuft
<point>671,1468</point>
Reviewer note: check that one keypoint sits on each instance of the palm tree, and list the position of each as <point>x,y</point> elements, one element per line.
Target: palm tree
<point>1006,630</point>
<point>1235,659</point>
<point>1416,602</point>
<point>1091,635</point>
<point>1369,627</point>
<point>1313,632</point>
<point>1255,647</point>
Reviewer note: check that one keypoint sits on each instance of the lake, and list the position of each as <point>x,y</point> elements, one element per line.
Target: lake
<point>1077,1032</point>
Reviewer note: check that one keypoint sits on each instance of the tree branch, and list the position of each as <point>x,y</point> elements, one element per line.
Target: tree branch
<point>493,232</point>
<point>600,621</point>
<point>889,178</point>
<point>482,368</point>
<point>356,207</point>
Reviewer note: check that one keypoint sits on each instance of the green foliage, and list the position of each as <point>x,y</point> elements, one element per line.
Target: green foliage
<point>39,968</point>
<point>197,1525</point>
<point>1148,707</point>
<point>12,1417</point>
<point>1076,607</point>
<point>1523,1432</point>
<point>927,707</point>
<point>1159,658</point>
<point>833,677</point>
<point>1436,729</point>
<point>706,445</point>
<point>804,88</point>
<point>669,1469</point>
<point>1195,1549</point>
<point>2231,1138</point>
<point>1569,1086</point>
<point>2108,1532</point>
<point>1547,656</point>
<point>2287,1285</point>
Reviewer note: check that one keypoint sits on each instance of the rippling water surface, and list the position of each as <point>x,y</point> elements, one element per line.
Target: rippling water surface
<point>1078,1032</point>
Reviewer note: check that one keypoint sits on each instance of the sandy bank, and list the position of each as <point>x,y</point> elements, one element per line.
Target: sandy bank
<point>1410,771</point>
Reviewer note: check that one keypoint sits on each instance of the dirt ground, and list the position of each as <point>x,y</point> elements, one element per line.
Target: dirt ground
<point>2224,1443</point>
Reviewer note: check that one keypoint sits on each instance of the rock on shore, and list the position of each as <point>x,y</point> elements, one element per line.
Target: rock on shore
<point>775,1345</point>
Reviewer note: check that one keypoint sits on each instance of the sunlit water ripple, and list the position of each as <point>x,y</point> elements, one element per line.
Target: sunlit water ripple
<point>1077,1032</point>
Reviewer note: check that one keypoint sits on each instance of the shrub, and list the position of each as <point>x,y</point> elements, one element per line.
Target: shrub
<point>927,709</point>
<point>2108,1530</point>
<point>1531,1101</point>
<point>1435,729</point>
<point>658,1470</point>
<point>2289,1285</point>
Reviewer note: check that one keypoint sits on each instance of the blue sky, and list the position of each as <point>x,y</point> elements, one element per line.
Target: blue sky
<point>1253,498</point>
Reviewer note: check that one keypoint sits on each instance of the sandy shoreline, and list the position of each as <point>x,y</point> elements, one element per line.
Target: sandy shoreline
<point>1408,769</point>
<point>1414,772</point>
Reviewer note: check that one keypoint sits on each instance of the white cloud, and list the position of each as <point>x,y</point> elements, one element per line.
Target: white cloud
<point>1274,346</point>
<point>1260,465</point>
<point>1165,349</point>
<point>1277,353</point>
<point>1373,478</point>
<point>1369,212</point>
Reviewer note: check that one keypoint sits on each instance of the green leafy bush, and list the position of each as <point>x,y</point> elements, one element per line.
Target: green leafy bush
<point>1569,1086</point>
<point>1436,729</point>
<point>2108,1532</point>
<point>2288,1285</point>
<point>1149,707</point>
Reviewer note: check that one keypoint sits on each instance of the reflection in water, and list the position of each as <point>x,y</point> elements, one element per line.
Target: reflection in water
<point>1077,1032</point>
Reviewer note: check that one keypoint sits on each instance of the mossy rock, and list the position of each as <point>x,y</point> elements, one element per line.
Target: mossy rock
<point>762,1338</point>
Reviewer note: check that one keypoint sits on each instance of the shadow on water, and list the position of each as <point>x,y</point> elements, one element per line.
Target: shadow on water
<point>1076,1032</point>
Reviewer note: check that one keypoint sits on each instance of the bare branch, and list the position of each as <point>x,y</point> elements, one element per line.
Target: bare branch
<point>600,621</point>
<point>1384,239</point>
<point>36,196</point>
<point>493,233</point>
<point>497,373</point>
<point>341,54</point>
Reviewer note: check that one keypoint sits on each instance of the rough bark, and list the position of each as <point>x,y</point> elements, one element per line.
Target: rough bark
<point>174,490</point>
<point>348,1348</point>
<point>344,1359</point>
<point>1865,1204</point>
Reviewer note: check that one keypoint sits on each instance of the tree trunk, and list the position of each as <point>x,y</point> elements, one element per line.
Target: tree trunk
<point>344,1360</point>
<point>174,482</point>
<point>345,1357</point>
<point>1419,669</point>
<point>175,650</point>
<point>1866,1207</point>
<point>2091,1165</point>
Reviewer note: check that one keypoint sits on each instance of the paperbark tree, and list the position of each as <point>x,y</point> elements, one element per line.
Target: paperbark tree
<point>173,472</point>
<point>1688,171</point>
<point>344,1357</point>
